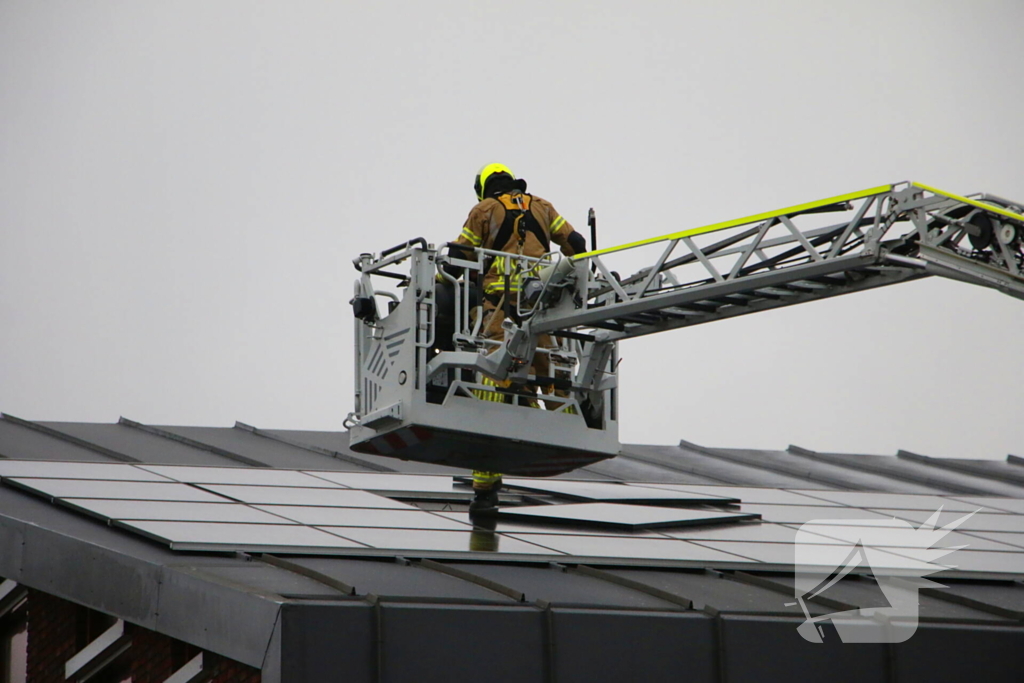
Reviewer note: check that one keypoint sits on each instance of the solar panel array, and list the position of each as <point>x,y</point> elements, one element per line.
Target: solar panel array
<point>340,513</point>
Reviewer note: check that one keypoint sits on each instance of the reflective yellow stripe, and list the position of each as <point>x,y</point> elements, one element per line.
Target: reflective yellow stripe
<point>468,234</point>
<point>881,189</point>
<point>488,478</point>
<point>499,286</point>
<point>492,396</point>
<point>556,225</point>
<point>973,202</point>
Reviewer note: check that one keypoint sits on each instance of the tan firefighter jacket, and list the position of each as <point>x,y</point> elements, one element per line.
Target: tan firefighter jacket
<point>484,227</point>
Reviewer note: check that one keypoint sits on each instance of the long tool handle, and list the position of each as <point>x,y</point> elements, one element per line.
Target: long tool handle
<point>592,222</point>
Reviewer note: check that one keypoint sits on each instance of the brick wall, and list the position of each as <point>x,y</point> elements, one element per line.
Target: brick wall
<point>52,636</point>
<point>57,629</point>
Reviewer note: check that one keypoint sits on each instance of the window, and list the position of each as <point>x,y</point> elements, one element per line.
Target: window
<point>14,649</point>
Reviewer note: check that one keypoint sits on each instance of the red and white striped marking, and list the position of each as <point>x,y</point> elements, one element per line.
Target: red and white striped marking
<point>398,440</point>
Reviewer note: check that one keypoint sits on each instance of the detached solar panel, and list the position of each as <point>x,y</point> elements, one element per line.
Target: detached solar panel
<point>621,516</point>
<point>620,493</point>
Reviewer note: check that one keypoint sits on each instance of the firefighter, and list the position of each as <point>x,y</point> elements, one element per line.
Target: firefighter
<point>509,220</point>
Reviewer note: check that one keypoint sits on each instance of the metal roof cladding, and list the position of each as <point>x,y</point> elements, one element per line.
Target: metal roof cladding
<point>313,540</point>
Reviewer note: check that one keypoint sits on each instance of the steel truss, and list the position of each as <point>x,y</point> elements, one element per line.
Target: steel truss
<point>891,234</point>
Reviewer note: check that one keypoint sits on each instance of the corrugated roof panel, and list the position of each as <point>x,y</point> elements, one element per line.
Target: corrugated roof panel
<point>144,447</point>
<point>272,453</point>
<point>629,467</point>
<point>992,469</point>
<point>337,442</point>
<point>902,470</point>
<point>827,473</point>
<point>23,443</point>
<point>714,469</point>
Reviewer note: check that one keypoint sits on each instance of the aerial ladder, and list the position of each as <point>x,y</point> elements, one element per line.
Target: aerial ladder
<point>421,359</point>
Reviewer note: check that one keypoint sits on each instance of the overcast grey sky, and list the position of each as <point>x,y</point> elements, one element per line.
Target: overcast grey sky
<point>183,186</point>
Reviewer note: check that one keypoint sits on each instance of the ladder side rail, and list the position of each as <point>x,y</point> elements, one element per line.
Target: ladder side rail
<point>760,241</point>
<point>890,274</point>
<point>640,301</point>
<point>906,206</point>
<point>690,295</point>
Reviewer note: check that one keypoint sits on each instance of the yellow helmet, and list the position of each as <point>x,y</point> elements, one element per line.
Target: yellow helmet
<point>486,172</point>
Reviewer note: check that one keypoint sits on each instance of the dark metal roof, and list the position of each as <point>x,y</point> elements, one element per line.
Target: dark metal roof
<point>686,463</point>
<point>238,599</point>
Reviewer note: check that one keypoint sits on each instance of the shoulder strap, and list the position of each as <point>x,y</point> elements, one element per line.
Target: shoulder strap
<point>518,216</point>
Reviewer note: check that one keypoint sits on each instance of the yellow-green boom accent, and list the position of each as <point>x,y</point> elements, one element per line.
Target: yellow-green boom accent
<point>973,202</point>
<point>881,189</point>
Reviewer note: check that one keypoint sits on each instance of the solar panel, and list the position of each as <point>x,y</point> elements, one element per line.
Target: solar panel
<point>121,490</point>
<point>629,548</point>
<point>305,497</point>
<point>211,536</point>
<point>994,504</point>
<point>246,476</point>
<point>898,536</point>
<point>982,561</point>
<point>430,540</point>
<point>798,514</point>
<point>601,491</point>
<point>379,481</point>
<point>759,532</point>
<point>978,522</point>
<point>1002,537</point>
<point>624,516</point>
<point>747,494</point>
<point>173,511</point>
<point>824,555</point>
<point>75,470</point>
<point>363,517</point>
<point>905,501</point>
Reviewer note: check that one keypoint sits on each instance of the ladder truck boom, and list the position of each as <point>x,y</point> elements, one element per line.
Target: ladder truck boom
<point>420,367</point>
